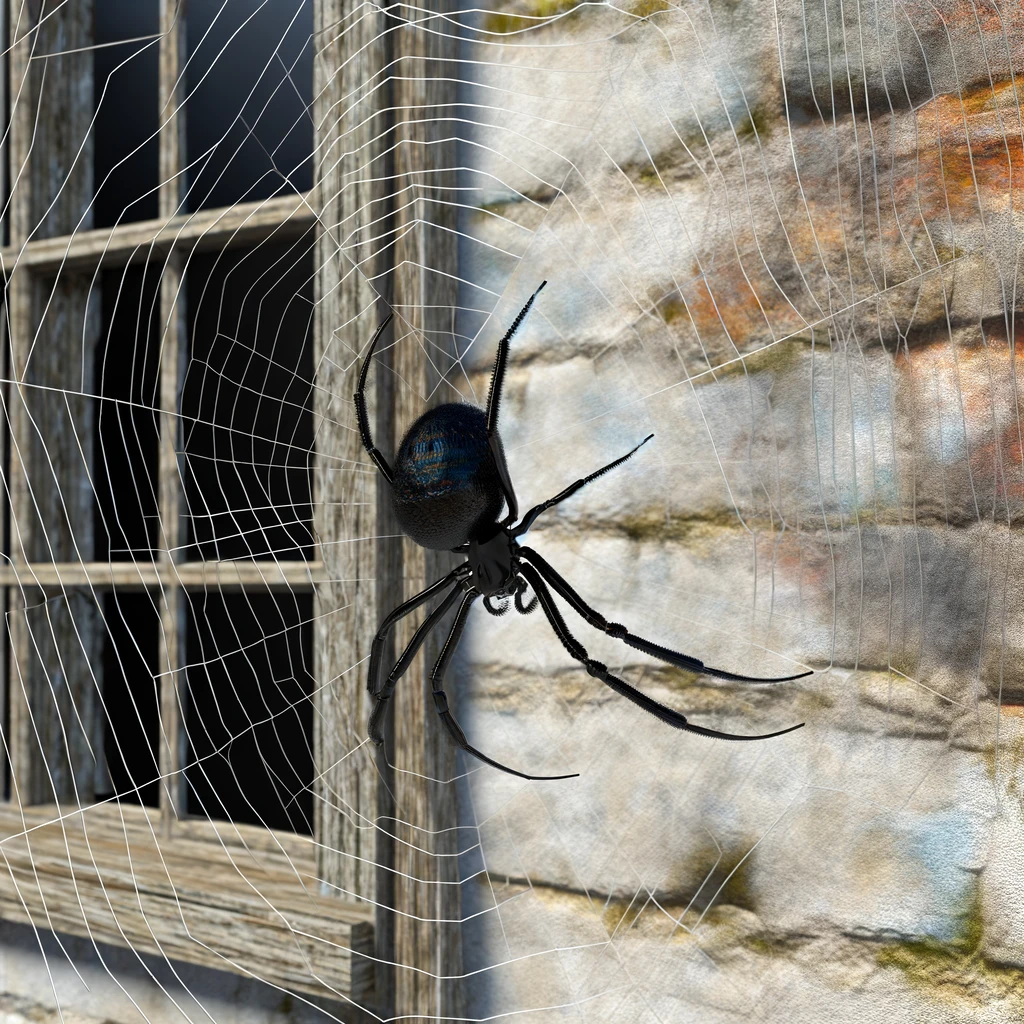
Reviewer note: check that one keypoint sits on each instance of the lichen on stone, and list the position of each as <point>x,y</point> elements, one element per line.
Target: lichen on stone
<point>645,8</point>
<point>757,124</point>
<point>956,970</point>
<point>528,15</point>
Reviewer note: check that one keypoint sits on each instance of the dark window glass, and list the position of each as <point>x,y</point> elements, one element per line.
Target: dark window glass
<point>127,441</point>
<point>246,403</point>
<point>249,712</point>
<point>131,698</point>
<point>126,94</point>
<point>249,83</point>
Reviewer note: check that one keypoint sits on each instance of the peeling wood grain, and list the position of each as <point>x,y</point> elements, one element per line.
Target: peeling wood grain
<point>106,874</point>
<point>425,294</point>
<point>346,808</point>
<point>220,576</point>
<point>173,350</point>
<point>54,327</point>
<point>245,224</point>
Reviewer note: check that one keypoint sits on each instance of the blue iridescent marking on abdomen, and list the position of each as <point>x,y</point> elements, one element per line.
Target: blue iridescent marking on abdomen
<point>444,455</point>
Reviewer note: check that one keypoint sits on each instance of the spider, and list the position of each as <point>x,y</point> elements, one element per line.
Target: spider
<point>447,488</point>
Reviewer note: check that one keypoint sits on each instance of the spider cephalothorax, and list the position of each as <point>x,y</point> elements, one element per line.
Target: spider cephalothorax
<point>447,488</point>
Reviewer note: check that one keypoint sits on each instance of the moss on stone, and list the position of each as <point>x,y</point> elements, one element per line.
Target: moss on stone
<point>645,8</point>
<point>648,176</point>
<point>774,357</point>
<point>774,944</point>
<point>656,525</point>
<point>957,969</point>
<point>620,915</point>
<point>757,124</point>
<point>763,945</point>
<point>551,8</point>
<point>500,24</point>
<point>717,877</point>
<point>529,15</point>
<point>672,309</point>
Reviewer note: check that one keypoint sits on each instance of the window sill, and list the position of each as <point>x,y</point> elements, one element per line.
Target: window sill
<point>239,899</point>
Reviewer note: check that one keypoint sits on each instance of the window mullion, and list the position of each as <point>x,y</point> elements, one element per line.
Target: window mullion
<point>172,351</point>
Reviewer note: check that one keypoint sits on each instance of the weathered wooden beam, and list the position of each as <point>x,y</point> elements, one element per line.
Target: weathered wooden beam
<point>373,156</point>
<point>244,905</point>
<point>349,50</point>
<point>24,765</point>
<point>244,224</point>
<point>54,325</point>
<point>173,349</point>
<point>216,576</point>
<point>427,940</point>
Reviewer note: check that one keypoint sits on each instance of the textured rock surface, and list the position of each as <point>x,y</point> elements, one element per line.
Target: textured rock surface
<point>785,239</point>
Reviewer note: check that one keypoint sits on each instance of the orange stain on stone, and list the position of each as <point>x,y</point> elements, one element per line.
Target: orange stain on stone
<point>739,300</point>
<point>966,157</point>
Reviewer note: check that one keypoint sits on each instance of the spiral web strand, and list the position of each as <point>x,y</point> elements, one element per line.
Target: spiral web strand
<point>782,239</point>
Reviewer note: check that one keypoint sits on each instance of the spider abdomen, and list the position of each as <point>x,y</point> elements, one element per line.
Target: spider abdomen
<point>446,487</point>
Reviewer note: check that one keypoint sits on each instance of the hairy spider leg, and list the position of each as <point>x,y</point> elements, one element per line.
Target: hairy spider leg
<point>377,647</point>
<point>531,517</point>
<point>619,632</point>
<point>620,686</point>
<point>375,724</point>
<point>498,375</point>
<point>441,699</point>
<point>364,421</point>
<point>493,404</point>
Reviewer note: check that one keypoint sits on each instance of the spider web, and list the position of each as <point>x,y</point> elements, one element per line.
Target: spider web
<point>781,239</point>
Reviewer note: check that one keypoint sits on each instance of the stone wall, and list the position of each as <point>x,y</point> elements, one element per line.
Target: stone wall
<point>784,238</point>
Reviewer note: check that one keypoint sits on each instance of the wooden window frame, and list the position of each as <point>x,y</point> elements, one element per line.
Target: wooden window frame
<point>380,877</point>
<point>157,880</point>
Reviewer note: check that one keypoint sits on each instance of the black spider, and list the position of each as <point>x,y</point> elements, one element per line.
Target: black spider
<point>448,486</point>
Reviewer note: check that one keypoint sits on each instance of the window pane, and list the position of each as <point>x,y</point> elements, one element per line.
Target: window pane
<point>249,83</point>
<point>126,94</point>
<point>127,372</point>
<point>246,403</point>
<point>249,713</point>
<point>131,699</point>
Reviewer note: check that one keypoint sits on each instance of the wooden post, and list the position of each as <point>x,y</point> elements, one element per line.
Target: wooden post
<point>406,865</point>
<point>54,326</point>
<point>173,345</point>
<point>349,52</point>
<point>427,951</point>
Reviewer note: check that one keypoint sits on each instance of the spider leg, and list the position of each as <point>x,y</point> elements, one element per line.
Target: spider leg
<point>620,686</point>
<point>498,375</point>
<point>493,404</point>
<point>441,699</point>
<point>504,478</point>
<point>531,517</point>
<point>383,694</point>
<point>377,647</point>
<point>364,421</point>
<point>617,630</point>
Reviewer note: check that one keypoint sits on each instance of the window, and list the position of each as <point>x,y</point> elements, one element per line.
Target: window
<point>160,565</point>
